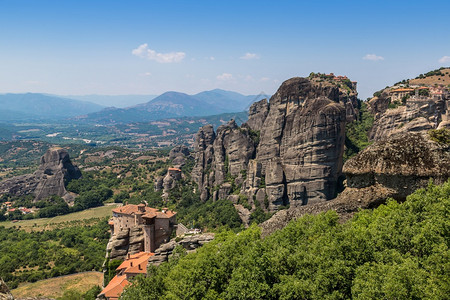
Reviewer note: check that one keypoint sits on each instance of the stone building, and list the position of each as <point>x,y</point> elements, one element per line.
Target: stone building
<point>398,94</point>
<point>133,265</point>
<point>156,224</point>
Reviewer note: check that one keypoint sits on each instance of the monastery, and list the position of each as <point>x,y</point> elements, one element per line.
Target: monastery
<point>157,225</point>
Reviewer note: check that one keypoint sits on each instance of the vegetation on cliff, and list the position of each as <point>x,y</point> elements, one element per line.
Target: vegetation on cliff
<point>397,251</point>
<point>357,132</point>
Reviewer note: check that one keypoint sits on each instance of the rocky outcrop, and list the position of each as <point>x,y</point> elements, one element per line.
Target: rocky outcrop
<point>394,167</point>
<point>169,181</point>
<point>5,294</point>
<point>190,243</point>
<point>401,164</point>
<point>54,172</point>
<point>289,151</point>
<point>125,241</point>
<point>418,114</point>
<point>178,155</point>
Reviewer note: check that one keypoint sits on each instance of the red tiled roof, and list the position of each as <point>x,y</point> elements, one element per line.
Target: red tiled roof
<point>134,259</point>
<point>115,287</point>
<point>175,169</point>
<point>135,264</point>
<point>149,211</point>
<point>402,90</point>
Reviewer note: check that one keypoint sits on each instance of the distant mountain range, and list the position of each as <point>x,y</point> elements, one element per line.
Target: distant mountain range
<point>32,106</point>
<point>175,105</point>
<point>119,101</point>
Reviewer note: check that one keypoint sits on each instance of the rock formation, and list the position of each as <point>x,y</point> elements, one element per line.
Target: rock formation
<point>401,164</point>
<point>417,114</point>
<point>393,167</point>
<point>289,151</point>
<point>54,172</point>
<point>178,155</point>
<point>190,243</point>
<point>5,294</point>
<point>125,241</point>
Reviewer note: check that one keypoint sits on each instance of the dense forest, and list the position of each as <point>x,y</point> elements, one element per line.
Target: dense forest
<point>397,251</point>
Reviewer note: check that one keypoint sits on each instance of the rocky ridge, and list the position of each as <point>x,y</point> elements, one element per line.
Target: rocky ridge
<point>54,172</point>
<point>288,153</point>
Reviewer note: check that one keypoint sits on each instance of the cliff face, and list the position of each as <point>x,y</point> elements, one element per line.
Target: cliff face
<point>55,170</point>
<point>289,151</point>
<point>125,241</point>
<point>400,165</point>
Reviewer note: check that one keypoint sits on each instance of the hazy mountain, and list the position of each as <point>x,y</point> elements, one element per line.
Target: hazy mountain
<point>228,101</point>
<point>119,101</point>
<point>175,105</point>
<point>40,106</point>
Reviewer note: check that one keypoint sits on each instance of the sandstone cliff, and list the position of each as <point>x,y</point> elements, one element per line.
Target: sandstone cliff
<point>54,172</point>
<point>289,151</point>
<point>393,167</point>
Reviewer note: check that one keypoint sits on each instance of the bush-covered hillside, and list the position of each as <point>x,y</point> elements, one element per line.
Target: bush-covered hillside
<point>397,251</point>
<point>32,256</point>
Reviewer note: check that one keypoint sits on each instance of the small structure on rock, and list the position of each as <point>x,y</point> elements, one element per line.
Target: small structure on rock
<point>157,225</point>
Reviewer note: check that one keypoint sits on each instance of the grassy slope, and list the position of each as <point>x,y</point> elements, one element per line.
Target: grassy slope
<point>435,79</point>
<point>55,287</point>
<point>51,223</point>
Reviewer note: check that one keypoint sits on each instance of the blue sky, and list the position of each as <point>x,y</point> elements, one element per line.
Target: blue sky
<point>149,47</point>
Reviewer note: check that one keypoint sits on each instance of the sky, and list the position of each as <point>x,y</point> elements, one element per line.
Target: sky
<point>149,47</point>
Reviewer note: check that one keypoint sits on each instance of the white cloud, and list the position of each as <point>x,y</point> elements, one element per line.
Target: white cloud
<point>225,76</point>
<point>444,59</point>
<point>144,52</point>
<point>146,74</point>
<point>212,58</point>
<point>249,55</point>
<point>373,57</point>
<point>265,79</point>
